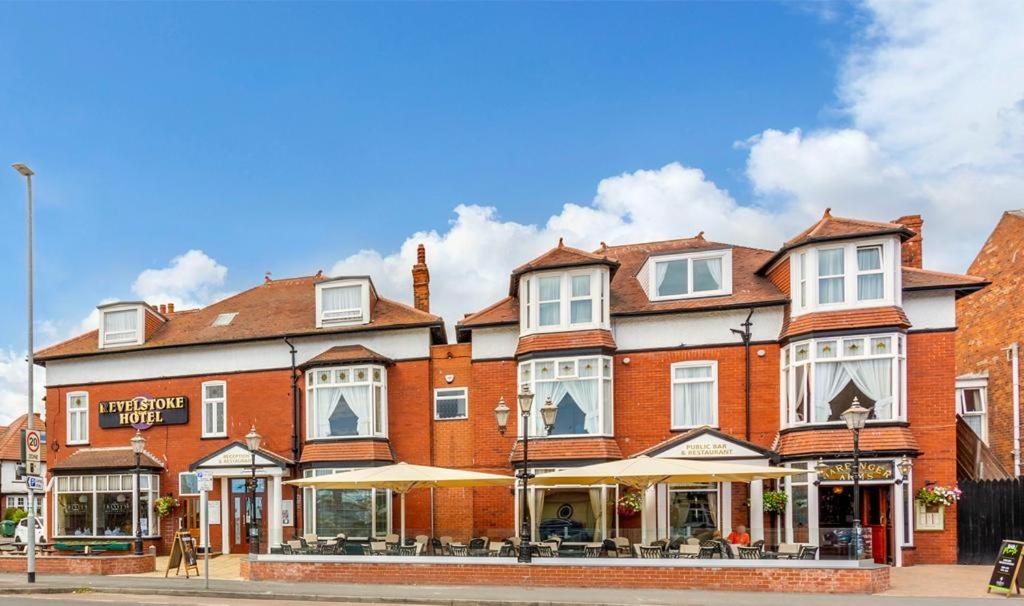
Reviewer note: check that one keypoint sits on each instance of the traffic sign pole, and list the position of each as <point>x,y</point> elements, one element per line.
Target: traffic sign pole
<point>205,481</point>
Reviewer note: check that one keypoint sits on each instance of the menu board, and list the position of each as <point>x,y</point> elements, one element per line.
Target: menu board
<point>183,551</point>
<point>1006,572</point>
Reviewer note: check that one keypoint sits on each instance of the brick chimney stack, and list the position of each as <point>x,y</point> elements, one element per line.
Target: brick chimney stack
<point>421,280</point>
<point>912,253</point>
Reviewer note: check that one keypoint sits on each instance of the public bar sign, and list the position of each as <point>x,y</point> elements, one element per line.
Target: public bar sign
<point>142,412</point>
<point>869,470</point>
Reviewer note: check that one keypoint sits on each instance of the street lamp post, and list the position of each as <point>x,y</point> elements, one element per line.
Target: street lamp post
<point>855,417</point>
<point>252,441</point>
<point>501,413</point>
<point>30,556</point>
<point>138,445</point>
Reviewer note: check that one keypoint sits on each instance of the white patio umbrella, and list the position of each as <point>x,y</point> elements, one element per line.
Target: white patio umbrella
<point>642,472</point>
<point>402,478</point>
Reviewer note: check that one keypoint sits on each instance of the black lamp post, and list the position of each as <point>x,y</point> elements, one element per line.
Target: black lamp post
<point>252,441</point>
<point>138,445</point>
<point>856,416</point>
<point>547,413</point>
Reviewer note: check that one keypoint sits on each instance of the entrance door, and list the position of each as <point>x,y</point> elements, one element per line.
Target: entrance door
<point>876,503</point>
<point>242,511</point>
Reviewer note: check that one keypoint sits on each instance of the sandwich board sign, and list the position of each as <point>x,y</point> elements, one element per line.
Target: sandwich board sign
<point>183,551</point>
<point>1007,570</point>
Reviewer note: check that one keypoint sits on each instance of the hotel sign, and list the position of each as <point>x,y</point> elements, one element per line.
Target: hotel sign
<point>869,470</point>
<point>143,412</point>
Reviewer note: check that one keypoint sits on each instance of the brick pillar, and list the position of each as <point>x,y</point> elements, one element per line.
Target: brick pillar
<point>912,253</point>
<point>421,281</point>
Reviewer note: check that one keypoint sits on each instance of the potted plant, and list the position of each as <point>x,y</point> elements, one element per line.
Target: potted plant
<point>165,505</point>
<point>629,505</point>
<point>774,501</point>
<point>934,497</point>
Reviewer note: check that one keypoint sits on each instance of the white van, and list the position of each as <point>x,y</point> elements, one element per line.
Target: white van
<point>21,532</point>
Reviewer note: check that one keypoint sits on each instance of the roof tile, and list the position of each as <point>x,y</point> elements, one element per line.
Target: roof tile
<point>348,450</point>
<point>120,457</point>
<point>565,449</point>
<point>560,341</point>
<point>347,354</point>
<point>10,438</point>
<point>872,317</point>
<point>814,442</point>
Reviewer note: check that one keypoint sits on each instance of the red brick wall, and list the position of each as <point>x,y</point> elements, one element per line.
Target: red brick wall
<point>931,379</point>
<point>82,565</point>
<point>990,321</point>
<point>770,579</point>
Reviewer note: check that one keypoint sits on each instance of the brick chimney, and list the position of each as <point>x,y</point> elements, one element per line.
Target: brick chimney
<point>421,281</point>
<point>912,253</point>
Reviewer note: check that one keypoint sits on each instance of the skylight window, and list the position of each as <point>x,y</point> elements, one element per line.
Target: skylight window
<point>224,319</point>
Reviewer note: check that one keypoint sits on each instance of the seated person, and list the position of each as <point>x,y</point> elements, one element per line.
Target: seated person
<point>739,536</point>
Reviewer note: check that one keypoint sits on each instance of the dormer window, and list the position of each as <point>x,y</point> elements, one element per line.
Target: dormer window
<point>122,324</point>
<point>845,275</point>
<point>688,275</point>
<point>343,302</point>
<point>564,300</point>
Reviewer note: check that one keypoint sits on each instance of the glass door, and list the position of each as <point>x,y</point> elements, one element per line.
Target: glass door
<point>242,510</point>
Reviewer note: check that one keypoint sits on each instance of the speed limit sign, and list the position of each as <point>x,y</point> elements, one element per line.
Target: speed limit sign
<point>33,445</point>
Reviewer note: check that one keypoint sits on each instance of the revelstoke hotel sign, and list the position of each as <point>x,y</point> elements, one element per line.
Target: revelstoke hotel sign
<point>144,410</point>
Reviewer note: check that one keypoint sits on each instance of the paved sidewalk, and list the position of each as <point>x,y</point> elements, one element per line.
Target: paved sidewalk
<point>456,595</point>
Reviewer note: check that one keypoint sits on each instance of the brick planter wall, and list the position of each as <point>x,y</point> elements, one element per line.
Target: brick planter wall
<point>727,576</point>
<point>82,565</point>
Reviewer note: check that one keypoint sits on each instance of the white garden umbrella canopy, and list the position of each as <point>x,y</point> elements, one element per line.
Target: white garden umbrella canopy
<point>401,478</point>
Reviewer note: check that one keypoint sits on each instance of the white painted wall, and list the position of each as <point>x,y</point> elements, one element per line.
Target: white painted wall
<point>259,355</point>
<point>672,330</point>
<point>497,342</point>
<point>931,309</point>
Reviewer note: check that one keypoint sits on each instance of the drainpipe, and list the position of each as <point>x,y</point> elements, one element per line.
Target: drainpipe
<point>745,335</point>
<point>1013,352</point>
<point>296,450</point>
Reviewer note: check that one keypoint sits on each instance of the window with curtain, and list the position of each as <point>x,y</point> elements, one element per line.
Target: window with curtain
<point>690,275</point>
<point>565,300</point>
<point>802,276</point>
<point>450,403</point>
<point>356,513</point>
<point>693,510</point>
<point>78,418</point>
<point>346,401</point>
<point>215,399</point>
<point>341,303</point>
<point>870,277</point>
<point>104,505</point>
<point>694,394</point>
<point>549,298</point>
<point>581,304</point>
<point>831,280</point>
<point>120,326</point>
<point>581,388</point>
<point>830,373</point>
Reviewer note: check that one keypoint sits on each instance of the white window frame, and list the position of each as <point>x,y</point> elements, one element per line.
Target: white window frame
<point>438,396</point>
<point>313,383</point>
<point>149,483</point>
<point>726,285</point>
<point>788,364</point>
<point>804,286</point>
<point>140,325</point>
<point>870,272</point>
<point>713,364</point>
<point>840,276</point>
<point>529,294</point>
<point>345,317</point>
<point>309,497</point>
<point>963,385</point>
<point>606,410</point>
<point>208,401</point>
<point>73,419</point>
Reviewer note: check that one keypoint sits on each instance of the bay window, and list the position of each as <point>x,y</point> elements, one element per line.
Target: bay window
<point>690,275</point>
<point>104,505</point>
<point>346,401</point>
<point>849,275</point>
<point>694,394</point>
<point>580,387</point>
<point>356,513</point>
<point>564,300</point>
<point>821,377</point>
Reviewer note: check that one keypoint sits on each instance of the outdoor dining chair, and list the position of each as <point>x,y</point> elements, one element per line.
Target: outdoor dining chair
<point>459,551</point>
<point>749,553</point>
<point>375,548</point>
<point>286,549</point>
<point>651,552</point>
<point>296,546</point>
<point>808,552</point>
<point>339,545</point>
<point>689,551</point>
<point>409,550</point>
<point>543,550</point>
<point>789,551</point>
<point>477,543</point>
<point>622,547</point>
<point>593,550</point>
<point>707,552</point>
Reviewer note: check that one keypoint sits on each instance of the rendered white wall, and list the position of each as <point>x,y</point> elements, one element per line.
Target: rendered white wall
<point>689,329</point>
<point>935,309</point>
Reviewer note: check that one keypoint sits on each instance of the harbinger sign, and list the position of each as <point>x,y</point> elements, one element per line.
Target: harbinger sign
<point>144,411</point>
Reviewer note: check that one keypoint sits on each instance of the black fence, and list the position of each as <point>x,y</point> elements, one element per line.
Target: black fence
<point>989,511</point>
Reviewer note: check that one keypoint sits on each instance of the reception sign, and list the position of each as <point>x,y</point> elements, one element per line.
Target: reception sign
<point>144,411</point>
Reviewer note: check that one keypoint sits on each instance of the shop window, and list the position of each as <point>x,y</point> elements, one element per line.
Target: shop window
<point>77,418</point>
<point>356,513</point>
<point>581,388</point>
<point>694,510</point>
<point>694,394</point>
<point>103,505</point>
<point>690,275</point>
<point>346,401</point>
<point>215,398</point>
<point>450,403</point>
<point>823,376</point>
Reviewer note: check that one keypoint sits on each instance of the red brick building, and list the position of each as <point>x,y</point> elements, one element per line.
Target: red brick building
<point>636,345</point>
<point>991,331</point>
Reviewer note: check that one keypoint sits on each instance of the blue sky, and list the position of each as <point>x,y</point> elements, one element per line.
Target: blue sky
<point>288,137</point>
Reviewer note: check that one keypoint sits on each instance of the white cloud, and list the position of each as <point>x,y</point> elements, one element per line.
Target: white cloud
<point>14,386</point>
<point>191,280</point>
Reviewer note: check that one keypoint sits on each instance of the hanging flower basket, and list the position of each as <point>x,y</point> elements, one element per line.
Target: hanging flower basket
<point>774,501</point>
<point>934,497</point>
<point>165,505</point>
<point>629,505</point>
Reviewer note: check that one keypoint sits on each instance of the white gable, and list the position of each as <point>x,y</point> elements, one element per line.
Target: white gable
<point>237,456</point>
<point>709,446</point>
